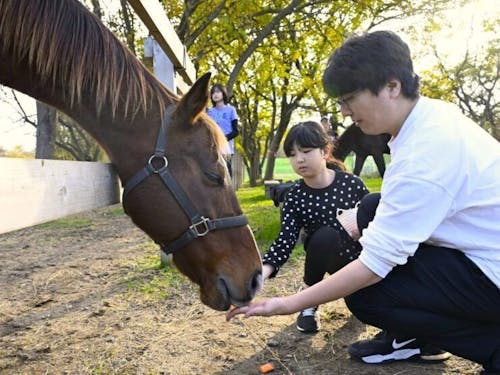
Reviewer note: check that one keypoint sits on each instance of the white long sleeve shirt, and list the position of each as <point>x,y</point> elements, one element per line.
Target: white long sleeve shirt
<point>443,187</point>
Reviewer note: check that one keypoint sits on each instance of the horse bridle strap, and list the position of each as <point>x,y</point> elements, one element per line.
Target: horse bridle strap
<point>200,225</point>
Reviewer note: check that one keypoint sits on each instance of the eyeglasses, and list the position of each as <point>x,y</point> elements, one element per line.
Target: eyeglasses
<point>347,99</point>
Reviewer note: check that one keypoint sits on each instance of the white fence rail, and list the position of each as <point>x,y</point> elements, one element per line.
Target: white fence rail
<point>36,191</point>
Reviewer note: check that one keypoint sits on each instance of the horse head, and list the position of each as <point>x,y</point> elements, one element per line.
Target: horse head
<point>189,188</point>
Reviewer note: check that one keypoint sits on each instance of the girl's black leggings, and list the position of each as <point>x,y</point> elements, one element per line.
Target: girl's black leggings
<point>324,248</point>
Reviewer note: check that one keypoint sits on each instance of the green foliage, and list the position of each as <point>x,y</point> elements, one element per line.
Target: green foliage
<point>468,76</point>
<point>472,84</point>
<point>436,85</point>
<point>271,54</point>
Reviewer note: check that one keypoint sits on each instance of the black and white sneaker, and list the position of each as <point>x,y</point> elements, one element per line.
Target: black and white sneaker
<point>384,348</point>
<point>307,321</point>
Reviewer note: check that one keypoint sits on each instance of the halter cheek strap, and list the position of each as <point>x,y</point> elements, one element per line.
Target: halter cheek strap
<point>200,225</point>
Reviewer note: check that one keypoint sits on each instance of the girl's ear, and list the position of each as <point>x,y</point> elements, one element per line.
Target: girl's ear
<point>327,152</point>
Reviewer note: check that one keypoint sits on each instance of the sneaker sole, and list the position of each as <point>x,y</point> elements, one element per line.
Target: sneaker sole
<point>435,357</point>
<point>306,331</point>
<point>403,355</point>
<point>397,355</point>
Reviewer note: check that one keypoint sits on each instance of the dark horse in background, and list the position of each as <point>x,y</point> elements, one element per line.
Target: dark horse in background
<point>363,145</point>
<point>178,191</point>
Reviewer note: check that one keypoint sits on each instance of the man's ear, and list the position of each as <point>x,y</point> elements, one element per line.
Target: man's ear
<point>394,86</point>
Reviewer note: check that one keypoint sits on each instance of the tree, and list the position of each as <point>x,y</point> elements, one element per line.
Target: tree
<point>474,85</point>
<point>471,81</point>
<point>279,62</point>
<point>271,54</point>
<point>74,143</point>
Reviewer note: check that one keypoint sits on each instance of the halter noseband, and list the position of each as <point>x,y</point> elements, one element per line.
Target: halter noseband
<point>200,225</point>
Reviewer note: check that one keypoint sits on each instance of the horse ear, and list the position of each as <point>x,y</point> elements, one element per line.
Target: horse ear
<point>195,100</point>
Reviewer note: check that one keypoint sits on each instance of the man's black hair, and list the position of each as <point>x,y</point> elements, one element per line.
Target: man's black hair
<point>368,62</point>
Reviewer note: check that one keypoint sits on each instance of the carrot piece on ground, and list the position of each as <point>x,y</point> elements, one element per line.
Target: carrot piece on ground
<point>266,367</point>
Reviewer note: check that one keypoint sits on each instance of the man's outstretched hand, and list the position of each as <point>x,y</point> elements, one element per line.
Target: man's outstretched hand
<point>265,307</point>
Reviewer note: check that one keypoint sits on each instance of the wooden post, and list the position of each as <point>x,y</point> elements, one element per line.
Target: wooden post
<point>46,119</point>
<point>153,15</point>
<point>238,170</point>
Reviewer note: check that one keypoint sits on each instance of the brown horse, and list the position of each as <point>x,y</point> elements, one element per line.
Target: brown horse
<point>59,53</point>
<point>363,145</point>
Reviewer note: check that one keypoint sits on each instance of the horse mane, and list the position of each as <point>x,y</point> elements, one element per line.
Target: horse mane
<point>68,47</point>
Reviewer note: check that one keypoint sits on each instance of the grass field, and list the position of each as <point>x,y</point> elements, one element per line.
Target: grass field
<point>283,170</point>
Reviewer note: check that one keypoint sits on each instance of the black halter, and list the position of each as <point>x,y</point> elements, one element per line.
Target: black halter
<point>200,225</point>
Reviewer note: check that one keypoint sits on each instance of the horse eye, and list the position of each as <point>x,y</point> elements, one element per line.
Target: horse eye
<point>215,178</point>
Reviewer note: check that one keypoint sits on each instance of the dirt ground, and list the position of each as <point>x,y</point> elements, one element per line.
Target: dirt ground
<point>76,300</point>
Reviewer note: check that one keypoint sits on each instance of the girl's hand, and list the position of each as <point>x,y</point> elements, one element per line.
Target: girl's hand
<point>265,307</point>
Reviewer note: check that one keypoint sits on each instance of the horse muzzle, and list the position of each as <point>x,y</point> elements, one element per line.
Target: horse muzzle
<point>227,292</point>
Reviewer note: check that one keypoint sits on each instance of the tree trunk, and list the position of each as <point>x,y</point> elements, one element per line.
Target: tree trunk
<point>254,172</point>
<point>129,32</point>
<point>286,114</point>
<point>271,160</point>
<point>45,131</point>
<point>274,147</point>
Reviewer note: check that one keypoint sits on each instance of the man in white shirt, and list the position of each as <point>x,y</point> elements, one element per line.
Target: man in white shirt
<point>429,270</point>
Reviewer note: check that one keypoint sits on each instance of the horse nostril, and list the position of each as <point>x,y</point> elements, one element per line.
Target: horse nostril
<point>255,283</point>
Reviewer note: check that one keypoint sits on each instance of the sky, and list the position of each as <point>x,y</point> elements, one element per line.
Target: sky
<point>14,131</point>
<point>452,41</point>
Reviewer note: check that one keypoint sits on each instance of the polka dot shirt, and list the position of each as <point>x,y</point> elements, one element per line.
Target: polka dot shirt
<point>311,209</point>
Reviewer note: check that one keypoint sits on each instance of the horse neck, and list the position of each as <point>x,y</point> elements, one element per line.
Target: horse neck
<point>344,144</point>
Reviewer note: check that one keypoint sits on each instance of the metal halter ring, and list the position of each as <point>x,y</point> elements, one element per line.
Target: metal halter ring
<point>152,167</point>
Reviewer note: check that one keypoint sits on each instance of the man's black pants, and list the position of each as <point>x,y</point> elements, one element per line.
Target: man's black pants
<point>440,297</point>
